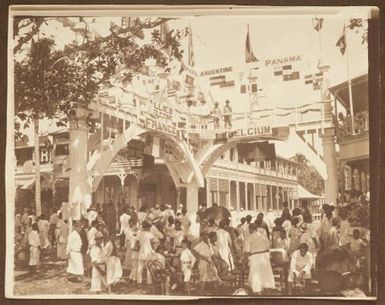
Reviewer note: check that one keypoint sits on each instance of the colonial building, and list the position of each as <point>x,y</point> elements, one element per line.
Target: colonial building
<point>352,129</point>
<point>240,186</point>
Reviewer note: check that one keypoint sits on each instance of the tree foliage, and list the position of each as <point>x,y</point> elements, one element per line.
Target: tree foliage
<point>53,83</point>
<point>308,176</point>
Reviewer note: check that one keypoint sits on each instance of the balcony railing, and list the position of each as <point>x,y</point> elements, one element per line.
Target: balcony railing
<point>361,125</point>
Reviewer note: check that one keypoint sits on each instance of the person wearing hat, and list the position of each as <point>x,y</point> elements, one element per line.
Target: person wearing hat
<point>98,260</point>
<point>216,114</point>
<point>75,257</point>
<point>227,111</point>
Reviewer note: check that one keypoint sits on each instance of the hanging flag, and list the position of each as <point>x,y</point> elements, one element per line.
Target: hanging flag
<point>314,79</point>
<point>226,84</point>
<point>191,59</point>
<point>217,80</point>
<point>286,72</point>
<point>250,57</point>
<point>189,80</point>
<point>317,23</point>
<point>249,88</point>
<point>341,43</point>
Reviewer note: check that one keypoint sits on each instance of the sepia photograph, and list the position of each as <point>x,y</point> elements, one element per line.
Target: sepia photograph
<point>188,152</point>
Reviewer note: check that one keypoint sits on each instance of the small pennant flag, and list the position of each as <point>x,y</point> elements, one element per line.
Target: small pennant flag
<point>317,23</point>
<point>250,57</point>
<point>341,43</point>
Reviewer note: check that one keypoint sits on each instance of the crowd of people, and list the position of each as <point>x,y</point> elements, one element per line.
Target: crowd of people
<point>156,244</point>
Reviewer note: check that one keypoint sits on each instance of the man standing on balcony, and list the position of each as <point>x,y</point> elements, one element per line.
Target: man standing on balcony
<point>216,113</point>
<point>227,112</point>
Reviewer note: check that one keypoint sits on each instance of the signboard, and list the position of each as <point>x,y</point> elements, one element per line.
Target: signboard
<point>251,131</point>
<point>282,61</point>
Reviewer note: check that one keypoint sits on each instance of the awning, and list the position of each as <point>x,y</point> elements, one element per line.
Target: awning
<point>305,194</point>
<point>25,183</point>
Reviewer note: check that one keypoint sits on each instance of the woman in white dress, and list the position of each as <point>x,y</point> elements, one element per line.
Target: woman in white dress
<point>62,229</point>
<point>257,252</point>
<point>43,225</point>
<point>113,264</point>
<point>75,257</point>
<point>34,248</point>
<point>129,235</point>
<point>224,244</point>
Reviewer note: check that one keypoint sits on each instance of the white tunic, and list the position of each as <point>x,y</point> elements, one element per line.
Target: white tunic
<point>123,219</point>
<point>114,266</point>
<point>224,243</point>
<point>145,251</point>
<point>97,256</point>
<point>187,260</point>
<point>34,243</point>
<point>75,260</point>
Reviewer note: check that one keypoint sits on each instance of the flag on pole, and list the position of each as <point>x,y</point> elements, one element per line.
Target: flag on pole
<point>317,23</point>
<point>341,43</point>
<point>250,57</point>
<point>191,60</point>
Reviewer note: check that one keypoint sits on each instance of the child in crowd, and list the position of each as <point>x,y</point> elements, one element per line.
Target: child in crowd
<point>357,244</point>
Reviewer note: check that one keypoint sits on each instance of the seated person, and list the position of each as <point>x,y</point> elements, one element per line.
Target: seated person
<point>187,260</point>
<point>300,266</point>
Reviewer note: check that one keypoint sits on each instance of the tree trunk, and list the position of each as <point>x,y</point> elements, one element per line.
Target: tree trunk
<point>37,169</point>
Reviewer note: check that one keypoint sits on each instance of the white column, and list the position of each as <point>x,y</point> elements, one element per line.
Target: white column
<point>271,197</point>
<point>254,201</point>
<point>238,207</point>
<point>218,199</point>
<point>229,195</point>
<point>331,184</point>
<point>208,193</point>
<point>79,191</point>
<point>192,197</point>
<point>246,199</point>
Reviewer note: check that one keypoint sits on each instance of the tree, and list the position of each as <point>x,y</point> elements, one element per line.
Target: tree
<point>54,83</point>
<point>308,176</point>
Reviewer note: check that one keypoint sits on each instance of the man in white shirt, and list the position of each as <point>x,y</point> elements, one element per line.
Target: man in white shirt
<point>91,234</point>
<point>75,259</point>
<point>123,220</point>
<point>300,266</point>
